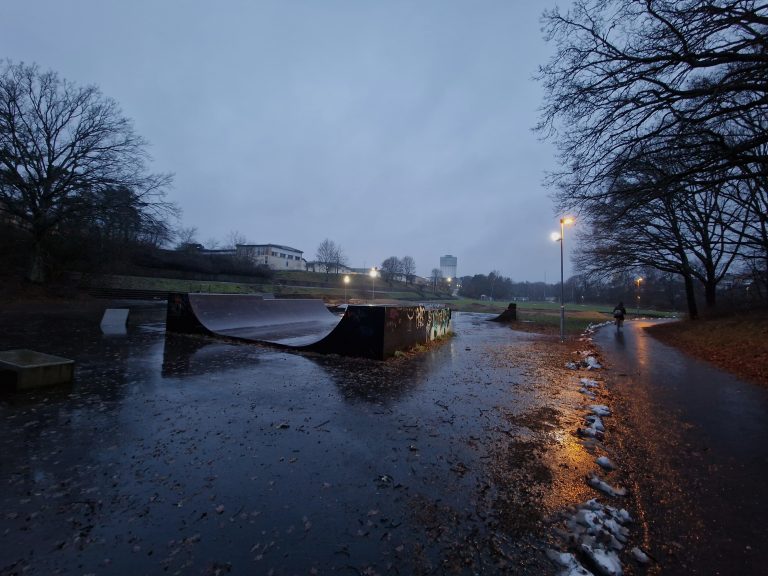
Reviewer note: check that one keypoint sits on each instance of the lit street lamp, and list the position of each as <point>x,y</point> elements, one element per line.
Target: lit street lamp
<point>373,274</point>
<point>346,281</point>
<point>560,238</point>
<point>637,283</point>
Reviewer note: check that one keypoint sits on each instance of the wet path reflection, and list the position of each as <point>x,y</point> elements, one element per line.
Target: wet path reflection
<point>700,448</point>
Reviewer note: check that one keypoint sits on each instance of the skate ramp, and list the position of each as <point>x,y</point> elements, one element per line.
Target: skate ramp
<point>508,315</point>
<point>367,331</point>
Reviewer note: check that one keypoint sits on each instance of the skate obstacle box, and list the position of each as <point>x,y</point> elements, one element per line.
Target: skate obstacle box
<point>365,331</point>
<point>27,369</point>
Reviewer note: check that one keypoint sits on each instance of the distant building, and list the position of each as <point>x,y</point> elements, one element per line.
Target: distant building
<point>275,256</point>
<point>448,266</point>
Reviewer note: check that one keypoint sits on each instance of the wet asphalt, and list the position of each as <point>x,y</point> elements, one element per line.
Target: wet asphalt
<point>177,454</point>
<point>696,442</point>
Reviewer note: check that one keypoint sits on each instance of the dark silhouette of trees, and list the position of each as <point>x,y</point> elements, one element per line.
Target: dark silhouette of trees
<point>71,162</point>
<point>632,72</point>
<point>658,110</point>
<point>493,286</point>
<point>391,269</point>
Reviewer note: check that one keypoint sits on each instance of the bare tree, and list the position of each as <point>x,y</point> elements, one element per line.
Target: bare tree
<point>62,147</point>
<point>391,269</point>
<point>339,259</point>
<point>436,275</point>
<point>330,256</point>
<point>636,72</point>
<point>695,233</point>
<point>234,238</point>
<point>326,253</point>
<point>186,237</point>
<point>409,268</point>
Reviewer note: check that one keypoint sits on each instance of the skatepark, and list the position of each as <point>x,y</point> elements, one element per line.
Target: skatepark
<point>182,452</point>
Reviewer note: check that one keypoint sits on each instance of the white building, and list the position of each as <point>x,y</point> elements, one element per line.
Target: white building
<point>275,256</point>
<point>448,266</point>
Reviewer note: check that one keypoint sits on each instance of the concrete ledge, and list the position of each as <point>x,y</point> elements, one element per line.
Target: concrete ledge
<point>27,369</point>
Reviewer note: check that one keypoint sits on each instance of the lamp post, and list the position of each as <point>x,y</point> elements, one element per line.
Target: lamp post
<point>637,283</point>
<point>373,274</point>
<point>560,238</point>
<point>346,281</point>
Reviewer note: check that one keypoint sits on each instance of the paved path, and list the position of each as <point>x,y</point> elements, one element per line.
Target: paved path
<point>696,445</point>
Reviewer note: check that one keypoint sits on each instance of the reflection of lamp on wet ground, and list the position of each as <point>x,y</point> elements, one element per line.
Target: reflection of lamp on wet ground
<point>346,281</point>
<point>560,238</point>
<point>637,283</point>
<point>373,274</point>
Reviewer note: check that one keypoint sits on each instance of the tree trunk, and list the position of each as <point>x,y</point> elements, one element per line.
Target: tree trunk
<point>36,272</point>
<point>710,294</point>
<point>690,297</point>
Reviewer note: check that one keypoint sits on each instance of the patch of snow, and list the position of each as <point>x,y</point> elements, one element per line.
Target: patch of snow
<point>590,432</point>
<point>569,563</point>
<point>606,561</point>
<point>600,409</point>
<point>588,382</point>
<point>605,463</point>
<point>572,366</point>
<point>595,422</point>
<point>639,555</point>
<point>592,363</point>
<point>588,393</point>
<point>595,481</point>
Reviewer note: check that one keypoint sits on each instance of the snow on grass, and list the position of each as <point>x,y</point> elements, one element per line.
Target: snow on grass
<point>589,383</point>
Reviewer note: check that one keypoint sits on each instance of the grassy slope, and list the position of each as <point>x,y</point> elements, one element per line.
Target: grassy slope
<point>738,343</point>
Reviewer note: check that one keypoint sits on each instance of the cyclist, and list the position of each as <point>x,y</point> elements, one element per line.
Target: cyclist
<point>618,313</point>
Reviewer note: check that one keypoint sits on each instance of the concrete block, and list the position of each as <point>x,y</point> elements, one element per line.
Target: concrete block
<point>27,369</point>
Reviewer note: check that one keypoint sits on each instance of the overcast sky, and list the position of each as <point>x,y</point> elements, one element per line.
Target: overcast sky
<point>392,128</point>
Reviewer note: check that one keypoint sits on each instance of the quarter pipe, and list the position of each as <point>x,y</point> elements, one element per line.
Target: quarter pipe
<point>367,331</point>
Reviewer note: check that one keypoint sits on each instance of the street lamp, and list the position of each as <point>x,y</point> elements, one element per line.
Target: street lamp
<point>346,281</point>
<point>560,238</point>
<point>637,283</point>
<point>373,273</point>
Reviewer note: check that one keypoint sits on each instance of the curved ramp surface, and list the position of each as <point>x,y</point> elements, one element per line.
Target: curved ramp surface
<point>368,331</point>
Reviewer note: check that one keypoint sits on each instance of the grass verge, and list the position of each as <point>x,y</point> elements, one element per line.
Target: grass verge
<point>737,344</point>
